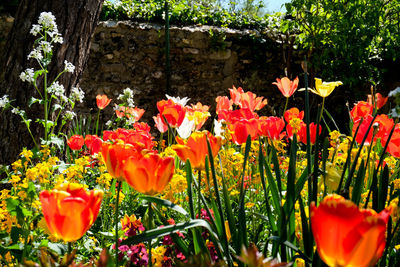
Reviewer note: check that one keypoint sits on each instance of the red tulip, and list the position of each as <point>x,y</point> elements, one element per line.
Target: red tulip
<point>361,110</point>
<point>247,99</point>
<point>241,129</point>
<point>271,127</point>
<point>70,210</point>
<point>148,172</point>
<point>237,114</point>
<point>102,101</point>
<point>93,143</point>
<point>346,235</point>
<point>75,142</point>
<point>363,129</point>
<point>173,113</point>
<point>394,143</point>
<point>313,133</point>
<point>286,86</point>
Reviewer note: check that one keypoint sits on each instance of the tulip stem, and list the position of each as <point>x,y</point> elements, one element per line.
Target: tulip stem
<point>69,247</point>
<point>287,101</point>
<point>97,122</point>
<point>149,227</point>
<point>116,223</point>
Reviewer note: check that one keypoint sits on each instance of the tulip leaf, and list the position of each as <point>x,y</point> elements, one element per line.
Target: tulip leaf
<point>189,179</point>
<point>383,188</point>
<point>261,162</point>
<point>358,184</point>
<point>167,230</point>
<point>165,203</point>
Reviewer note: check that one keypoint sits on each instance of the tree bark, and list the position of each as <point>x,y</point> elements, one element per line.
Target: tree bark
<point>76,21</point>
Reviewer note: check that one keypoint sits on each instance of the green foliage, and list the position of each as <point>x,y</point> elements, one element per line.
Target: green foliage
<point>188,13</point>
<point>346,39</point>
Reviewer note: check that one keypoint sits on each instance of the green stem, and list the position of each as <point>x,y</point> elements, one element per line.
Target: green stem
<point>116,222</point>
<point>97,122</point>
<point>149,227</point>
<point>46,115</point>
<point>69,247</point>
<point>322,110</point>
<point>287,101</point>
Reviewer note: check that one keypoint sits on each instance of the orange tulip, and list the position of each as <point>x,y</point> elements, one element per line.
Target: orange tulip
<point>173,113</point>
<point>115,155</point>
<point>346,235</point>
<point>247,99</point>
<point>286,86</point>
<point>70,210</point>
<point>75,142</point>
<point>136,113</point>
<point>223,103</point>
<point>148,172</point>
<point>196,149</point>
<point>293,113</point>
<point>102,101</point>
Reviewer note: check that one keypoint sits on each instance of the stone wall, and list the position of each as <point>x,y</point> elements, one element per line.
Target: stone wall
<point>203,65</point>
<point>205,62</point>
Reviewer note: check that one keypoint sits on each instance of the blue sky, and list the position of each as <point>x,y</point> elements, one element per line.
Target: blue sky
<point>275,5</point>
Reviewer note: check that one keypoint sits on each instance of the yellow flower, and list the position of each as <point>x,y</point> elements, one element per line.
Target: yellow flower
<point>17,165</point>
<point>158,255</point>
<point>27,154</point>
<point>324,89</point>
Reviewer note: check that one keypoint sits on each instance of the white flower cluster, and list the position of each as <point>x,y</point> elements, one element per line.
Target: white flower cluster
<point>69,115</point>
<point>48,21</point>
<point>77,94</point>
<point>18,111</point>
<point>127,97</point>
<point>27,75</point>
<point>178,100</point>
<point>57,90</point>
<point>36,54</point>
<point>394,92</point>
<point>69,67</point>
<point>47,24</point>
<point>4,101</point>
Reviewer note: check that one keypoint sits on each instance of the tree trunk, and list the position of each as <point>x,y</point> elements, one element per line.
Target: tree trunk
<point>76,21</point>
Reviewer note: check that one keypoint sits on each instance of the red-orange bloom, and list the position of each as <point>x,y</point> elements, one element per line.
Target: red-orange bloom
<point>93,143</point>
<point>195,148</point>
<point>362,131</point>
<point>346,235</point>
<point>237,114</point>
<point>199,114</point>
<point>286,86</point>
<point>115,155</point>
<point>148,172</point>
<point>75,142</point>
<point>394,143</point>
<point>159,123</point>
<point>361,110</point>
<point>223,103</point>
<point>271,127</point>
<point>70,210</point>
<point>247,99</point>
<point>293,113</point>
<point>313,133</point>
<point>135,113</point>
<point>241,129</point>
<point>173,113</point>
<point>140,138</point>
<point>380,101</point>
<point>102,101</point>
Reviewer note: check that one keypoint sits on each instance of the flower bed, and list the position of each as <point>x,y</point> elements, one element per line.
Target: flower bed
<point>257,191</point>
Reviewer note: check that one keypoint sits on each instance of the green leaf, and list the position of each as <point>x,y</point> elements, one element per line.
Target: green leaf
<point>166,203</point>
<point>167,230</point>
<point>358,184</point>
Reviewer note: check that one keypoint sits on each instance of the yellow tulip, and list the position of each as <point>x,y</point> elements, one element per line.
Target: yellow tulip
<point>324,89</point>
